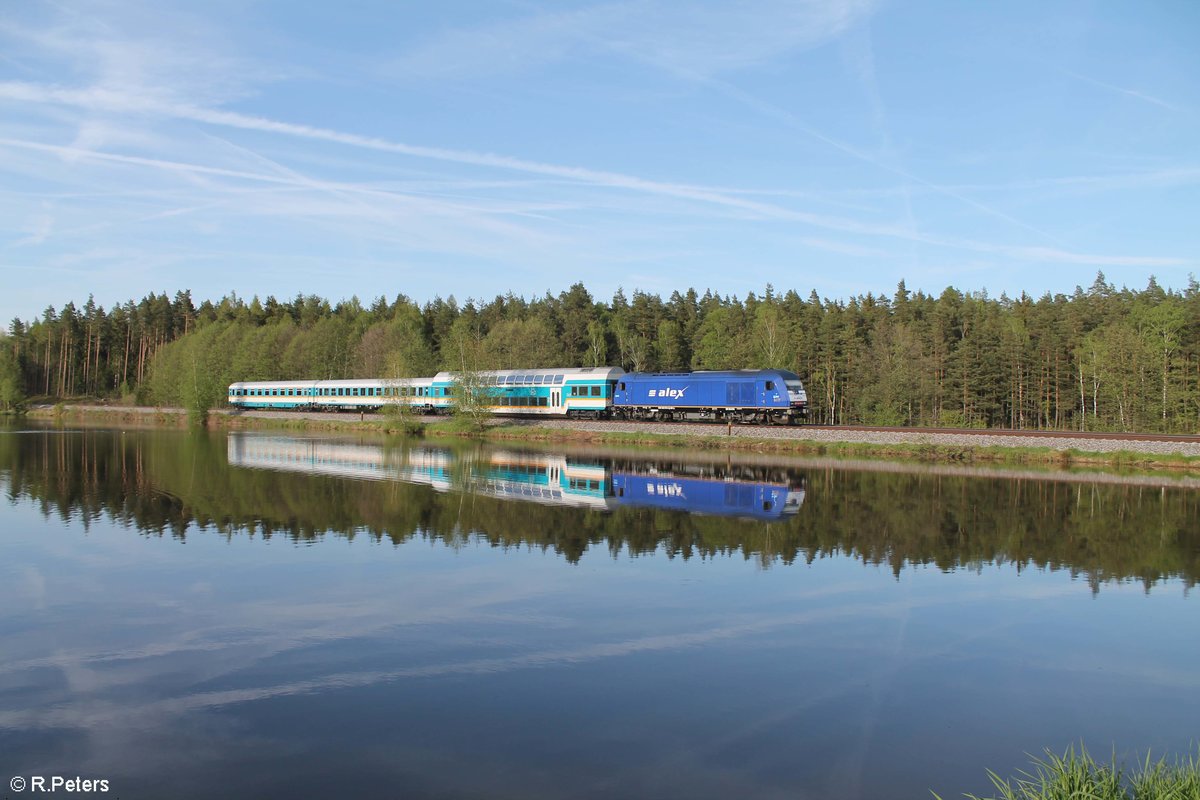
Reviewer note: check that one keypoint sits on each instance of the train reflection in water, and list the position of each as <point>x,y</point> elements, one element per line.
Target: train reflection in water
<point>758,492</point>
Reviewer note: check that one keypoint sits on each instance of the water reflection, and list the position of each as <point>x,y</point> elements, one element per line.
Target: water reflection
<point>602,484</point>
<point>167,482</point>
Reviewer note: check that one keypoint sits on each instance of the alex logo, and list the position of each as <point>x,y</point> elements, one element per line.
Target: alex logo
<point>674,394</point>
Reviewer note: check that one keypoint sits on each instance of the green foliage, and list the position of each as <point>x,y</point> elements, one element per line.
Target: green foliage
<point>1079,776</point>
<point>12,379</point>
<point>470,400</point>
<point>399,417</point>
<point>1099,359</point>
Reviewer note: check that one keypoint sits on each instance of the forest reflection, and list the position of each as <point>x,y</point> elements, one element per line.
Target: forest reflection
<point>306,488</point>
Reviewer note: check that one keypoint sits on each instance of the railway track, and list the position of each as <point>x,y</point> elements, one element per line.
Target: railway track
<point>1179,444</point>
<point>798,431</point>
<point>1126,437</point>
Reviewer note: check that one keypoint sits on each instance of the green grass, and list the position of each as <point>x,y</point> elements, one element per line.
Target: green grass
<point>1078,776</point>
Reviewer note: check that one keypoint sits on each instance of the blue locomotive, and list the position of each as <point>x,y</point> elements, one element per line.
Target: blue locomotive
<point>751,395</point>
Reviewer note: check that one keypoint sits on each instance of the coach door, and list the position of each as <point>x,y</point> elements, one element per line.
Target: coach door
<point>554,394</point>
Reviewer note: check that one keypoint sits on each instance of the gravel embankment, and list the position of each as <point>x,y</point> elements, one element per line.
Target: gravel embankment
<point>823,435</point>
<point>798,433</point>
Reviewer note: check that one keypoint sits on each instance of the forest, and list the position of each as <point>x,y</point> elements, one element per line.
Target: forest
<point>1101,358</point>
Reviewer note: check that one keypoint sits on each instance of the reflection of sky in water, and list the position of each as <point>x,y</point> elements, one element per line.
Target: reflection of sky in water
<point>240,667</point>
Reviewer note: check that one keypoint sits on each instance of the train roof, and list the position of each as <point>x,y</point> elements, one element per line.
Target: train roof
<point>338,383</point>
<point>569,373</point>
<point>722,374</point>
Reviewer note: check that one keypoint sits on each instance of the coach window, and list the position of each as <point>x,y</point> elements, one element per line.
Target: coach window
<point>595,391</point>
<point>558,379</point>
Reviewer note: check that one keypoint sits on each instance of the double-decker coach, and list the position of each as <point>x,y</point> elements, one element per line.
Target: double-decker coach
<point>583,392</point>
<point>763,395</point>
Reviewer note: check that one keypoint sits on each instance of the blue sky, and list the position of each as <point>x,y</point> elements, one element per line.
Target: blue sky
<point>477,148</point>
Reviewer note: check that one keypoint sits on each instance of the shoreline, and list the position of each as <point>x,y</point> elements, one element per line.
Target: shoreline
<point>1178,458</point>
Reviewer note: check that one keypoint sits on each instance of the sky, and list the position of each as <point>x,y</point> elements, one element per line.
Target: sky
<point>478,148</point>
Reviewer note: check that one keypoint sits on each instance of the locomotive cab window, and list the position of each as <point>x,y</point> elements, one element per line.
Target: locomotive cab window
<point>770,385</point>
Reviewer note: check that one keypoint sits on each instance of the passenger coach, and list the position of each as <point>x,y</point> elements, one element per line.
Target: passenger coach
<point>584,392</point>
<point>368,394</point>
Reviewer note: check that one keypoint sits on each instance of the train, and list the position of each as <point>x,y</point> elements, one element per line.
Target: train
<point>766,396</point>
<point>752,492</point>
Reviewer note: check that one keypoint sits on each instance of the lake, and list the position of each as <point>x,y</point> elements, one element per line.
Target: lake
<point>246,615</point>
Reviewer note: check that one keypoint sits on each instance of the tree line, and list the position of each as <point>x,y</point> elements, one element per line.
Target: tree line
<point>1100,358</point>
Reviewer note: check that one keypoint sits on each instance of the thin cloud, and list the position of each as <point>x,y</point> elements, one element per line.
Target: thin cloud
<point>708,39</point>
<point>1122,90</point>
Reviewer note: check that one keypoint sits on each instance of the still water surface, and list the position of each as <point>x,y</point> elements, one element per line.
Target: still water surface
<point>251,615</point>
